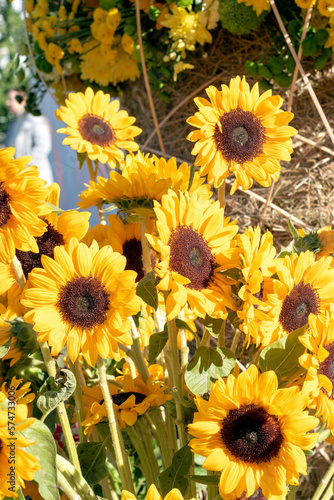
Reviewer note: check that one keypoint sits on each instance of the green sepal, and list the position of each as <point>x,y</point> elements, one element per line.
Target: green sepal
<point>81,157</point>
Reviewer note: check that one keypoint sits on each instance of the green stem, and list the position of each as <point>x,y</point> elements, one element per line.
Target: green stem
<point>171,433</point>
<point>79,407</point>
<point>292,492</point>
<point>109,493</point>
<point>74,478</point>
<point>221,195</point>
<point>206,337</point>
<point>221,335</point>
<point>140,449</point>
<point>235,341</point>
<point>159,431</point>
<point>136,354</point>
<point>212,488</point>
<point>177,380</point>
<point>146,437</point>
<point>122,459</point>
<point>144,244</point>
<point>65,486</point>
<point>328,477</point>
<point>92,177</point>
<point>61,410</point>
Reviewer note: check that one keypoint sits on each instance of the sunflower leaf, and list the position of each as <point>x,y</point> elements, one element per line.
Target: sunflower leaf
<point>55,390</point>
<point>282,356</point>
<point>203,479</point>
<point>207,365</point>
<point>44,448</point>
<point>175,475</point>
<point>147,291</point>
<point>19,493</point>
<point>213,325</point>
<point>182,325</point>
<point>157,343</point>
<point>92,458</point>
<point>5,348</point>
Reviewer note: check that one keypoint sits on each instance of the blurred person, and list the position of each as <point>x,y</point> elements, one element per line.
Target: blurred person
<point>29,135</point>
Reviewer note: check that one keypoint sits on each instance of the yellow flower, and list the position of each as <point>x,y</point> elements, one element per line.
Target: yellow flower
<point>133,398</point>
<point>319,340</point>
<point>304,286</point>
<point>179,67</point>
<point>128,43</point>
<point>305,4</point>
<point>185,25</point>
<point>193,245</point>
<point>326,7</point>
<point>143,180</point>
<point>26,464</point>
<point>82,297</point>
<point>253,433</point>
<point>22,200</point>
<point>153,494</point>
<point>60,229</point>
<point>96,126</point>
<point>258,5</point>
<point>242,132</point>
<point>257,255</point>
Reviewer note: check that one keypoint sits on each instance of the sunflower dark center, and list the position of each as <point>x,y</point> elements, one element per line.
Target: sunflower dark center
<point>83,302</point>
<point>297,306</point>
<point>96,130</point>
<point>133,252</point>
<point>5,211</point>
<point>326,367</point>
<point>120,398</point>
<point>239,136</point>
<point>190,256</point>
<point>46,244</point>
<point>251,434</point>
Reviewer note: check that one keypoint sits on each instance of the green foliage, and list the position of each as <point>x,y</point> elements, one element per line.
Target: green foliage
<point>92,458</point>
<point>207,365</point>
<point>175,476</point>
<point>55,390</point>
<point>147,291</point>
<point>238,18</point>
<point>157,343</point>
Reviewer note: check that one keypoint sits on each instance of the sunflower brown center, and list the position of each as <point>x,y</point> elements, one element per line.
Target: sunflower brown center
<point>190,256</point>
<point>326,368</point>
<point>120,398</point>
<point>5,211</point>
<point>133,252</point>
<point>239,136</point>
<point>83,302</point>
<point>46,244</point>
<point>297,306</point>
<point>251,434</point>
<point>96,130</point>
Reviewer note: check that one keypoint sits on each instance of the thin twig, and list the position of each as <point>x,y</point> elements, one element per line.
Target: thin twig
<point>302,72</point>
<point>295,73</point>
<point>312,143</point>
<point>147,83</point>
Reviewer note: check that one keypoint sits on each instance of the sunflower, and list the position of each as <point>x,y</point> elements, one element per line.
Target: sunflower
<point>319,340</point>
<point>241,132</point>
<point>83,298</point>
<point>143,180</point>
<point>253,433</point>
<point>26,464</point>
<point>326,7</point>
<point>22,195</point>
<point>10,309</point>
<point>60,229</point>
<point>133,398</point>
<point>258,5</point>
<point>257,254</point>
<point>304,286</point>
<point>193,245</point>
<point>153,494</point>
<point>305,4</point>
<point>97,127</point>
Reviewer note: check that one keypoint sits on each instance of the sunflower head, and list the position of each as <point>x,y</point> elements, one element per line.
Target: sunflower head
<point>242,132</point>
<point>97,127</point>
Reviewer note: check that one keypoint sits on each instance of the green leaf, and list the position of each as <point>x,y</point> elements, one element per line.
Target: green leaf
<point>153,13</point>
<point>213,325</point>
<point>309,46</point>
<point>81,157</point>
<point>202,479</point>
<point>157,343</point>
<point>175,475</point>
<point>19,493</point>
<point>321,37</point>
<point>265,85</point>
<point>45,450</point>
<point>290,65</point>
<point>293,230</point>
<point>206,366</point>
<point>283,80</point>
<point>251,68</point>
<point>62,387</point>
<point>147,291</point>
<point>184,3</point>
<point>5,348</point>
<point>92,457</point>
<point>264,71</point>
<point>275,66</point>
<point>182,325</point>
<point>320,62</point>
<point>282,356</point>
